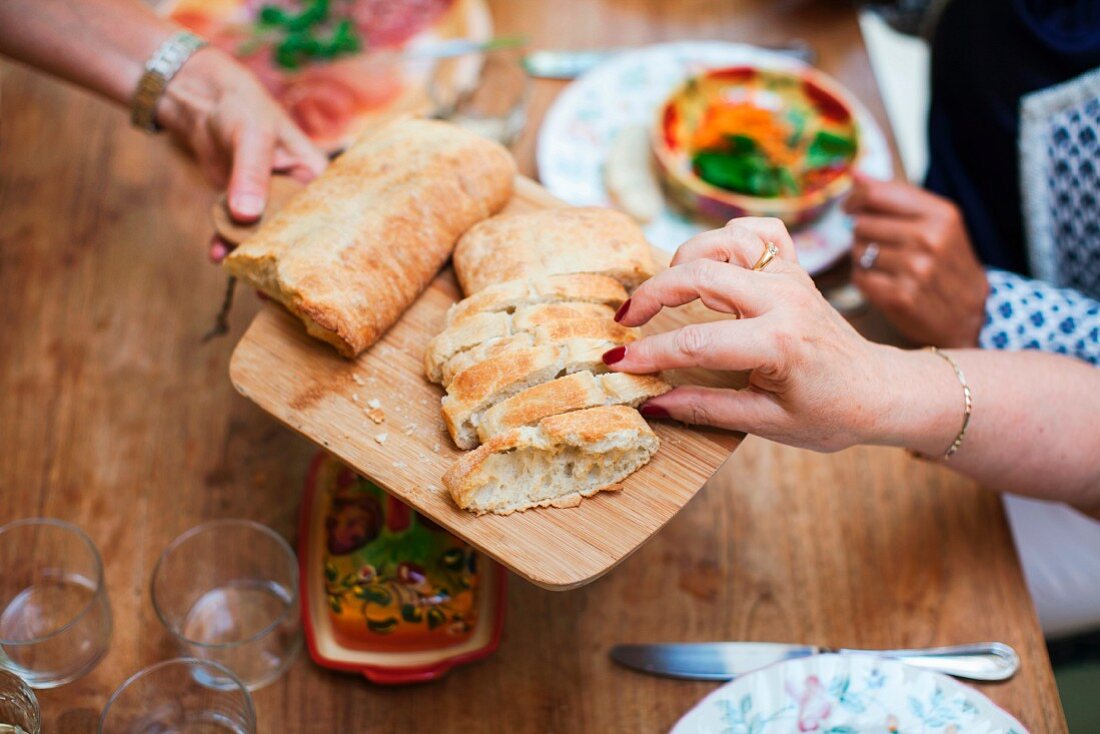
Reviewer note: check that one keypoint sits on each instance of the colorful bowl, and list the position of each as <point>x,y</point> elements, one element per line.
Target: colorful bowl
<point>808,95</point>
<point>386,592</point>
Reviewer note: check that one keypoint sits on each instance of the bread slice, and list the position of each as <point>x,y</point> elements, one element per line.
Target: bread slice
<point>551,241</point>
<point>514,294</point>
<point>578,391</point>
<point>556,463</point>
<point>487,326</point>
<point>485,384</point>
<point>603,330</point>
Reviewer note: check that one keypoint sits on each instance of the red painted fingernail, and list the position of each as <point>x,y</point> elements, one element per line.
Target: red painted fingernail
<point>653,411</point>
<point>611,356</point>
<point>622,310</point>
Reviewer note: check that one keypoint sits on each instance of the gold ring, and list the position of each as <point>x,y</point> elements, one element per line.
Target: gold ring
<point>769,253</point>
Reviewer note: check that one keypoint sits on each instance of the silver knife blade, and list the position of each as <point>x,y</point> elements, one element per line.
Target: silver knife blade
<point>706,660</point>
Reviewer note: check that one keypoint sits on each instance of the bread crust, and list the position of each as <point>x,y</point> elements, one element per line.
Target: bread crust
<point>595,431</point>
<point>505,331</point>
<point>552,241</point>
<point>353,250</point>
<point>487,383</point>
<point>578,391</point>
<point>515,294</point>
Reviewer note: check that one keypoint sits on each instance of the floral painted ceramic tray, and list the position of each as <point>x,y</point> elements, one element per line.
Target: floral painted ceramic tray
<point>840,694</point>
<point>387,592</point>
<point>626,90</point>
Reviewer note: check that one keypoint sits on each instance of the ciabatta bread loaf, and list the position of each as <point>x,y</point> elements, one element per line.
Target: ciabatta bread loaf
<point>578,391</point>
<point>353,250</point>
<point>489,326</point>
<point>556,463</point>
<point>482,386</point>
<point>552,241</point>
<point>514,294</point>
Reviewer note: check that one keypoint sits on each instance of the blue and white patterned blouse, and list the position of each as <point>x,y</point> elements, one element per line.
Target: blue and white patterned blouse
<point>1060,193</point>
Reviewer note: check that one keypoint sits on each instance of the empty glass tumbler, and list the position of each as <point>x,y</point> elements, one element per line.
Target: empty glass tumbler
<point>228,592</point>
<point>181,696</point>
<point>55,619</point>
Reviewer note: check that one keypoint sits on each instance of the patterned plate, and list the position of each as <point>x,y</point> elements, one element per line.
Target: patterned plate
<point>840,694</point>
<point>626,90</point>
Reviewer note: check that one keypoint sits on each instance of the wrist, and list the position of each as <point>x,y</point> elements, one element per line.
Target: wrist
<point>921,402</point>
<point>195,89</point>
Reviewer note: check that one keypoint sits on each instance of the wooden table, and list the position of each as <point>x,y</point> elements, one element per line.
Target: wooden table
<point>114,416</point>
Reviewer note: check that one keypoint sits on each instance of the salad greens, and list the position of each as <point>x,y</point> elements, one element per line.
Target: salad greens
<point>311,34</point>
<point>742,166</point>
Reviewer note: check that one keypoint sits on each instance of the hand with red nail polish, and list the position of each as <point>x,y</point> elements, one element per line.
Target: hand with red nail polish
<point>803,357</point>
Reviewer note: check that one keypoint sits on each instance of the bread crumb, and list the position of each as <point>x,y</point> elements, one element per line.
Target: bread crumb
<point>358,380</point>
<point>436,447</point>
<point>354,398</point>
<point>399,465</point>
<point>376,415</point>
<point>374,403</point>
<point>409,429</point>
<point>381,437</point>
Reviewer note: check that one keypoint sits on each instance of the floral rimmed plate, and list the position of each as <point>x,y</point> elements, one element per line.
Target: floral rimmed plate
<point>626,90</point>
<point>841,694</point>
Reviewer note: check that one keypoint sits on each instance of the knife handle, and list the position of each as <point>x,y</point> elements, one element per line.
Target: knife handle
<point>980,661</point>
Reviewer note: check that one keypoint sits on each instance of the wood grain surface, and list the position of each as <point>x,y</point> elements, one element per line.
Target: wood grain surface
<point>113,415</point>
<point>307,386</point>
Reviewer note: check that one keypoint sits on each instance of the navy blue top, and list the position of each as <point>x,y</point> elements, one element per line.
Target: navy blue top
<point>986,54</point>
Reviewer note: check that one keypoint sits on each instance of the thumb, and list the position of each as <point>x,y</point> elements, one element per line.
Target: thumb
<point>737,410</point>
<point>251,173</point>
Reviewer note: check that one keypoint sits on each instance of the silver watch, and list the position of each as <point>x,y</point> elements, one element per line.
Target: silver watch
<point>165,62</point>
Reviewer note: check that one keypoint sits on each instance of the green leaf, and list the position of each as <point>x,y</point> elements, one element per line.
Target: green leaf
<point>382,626</point>
<point>828,148</point>
<point>330,572</point>
<point>410,613</point>
<point>334,604</point>
<point>742,174</point>
<point>272,15</point>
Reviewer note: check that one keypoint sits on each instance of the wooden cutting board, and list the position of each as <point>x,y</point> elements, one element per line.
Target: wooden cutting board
<point>325,397</point>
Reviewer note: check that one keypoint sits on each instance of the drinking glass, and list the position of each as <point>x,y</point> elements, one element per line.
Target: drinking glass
<point>228,591</point>
<point>489,99</point>
<point>19,712</point>
<point>180,696</point>
<point>55,619</point>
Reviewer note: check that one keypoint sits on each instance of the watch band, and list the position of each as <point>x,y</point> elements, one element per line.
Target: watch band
<point>165,62</point>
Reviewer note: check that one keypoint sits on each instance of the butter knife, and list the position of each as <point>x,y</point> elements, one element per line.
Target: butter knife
<point>569,64</point>
<point>987,661</point>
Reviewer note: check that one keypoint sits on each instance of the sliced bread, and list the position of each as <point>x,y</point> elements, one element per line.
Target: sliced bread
<point>488,326</point>
<point>577,391</point>
<point>485,384</point>
<point>514,294</point>
<point>556,463</point>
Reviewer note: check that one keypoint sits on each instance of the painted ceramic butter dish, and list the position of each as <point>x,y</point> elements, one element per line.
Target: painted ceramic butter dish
<point>387,592</point>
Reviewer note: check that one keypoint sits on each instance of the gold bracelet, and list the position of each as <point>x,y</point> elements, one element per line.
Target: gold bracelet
<point>968,402</point>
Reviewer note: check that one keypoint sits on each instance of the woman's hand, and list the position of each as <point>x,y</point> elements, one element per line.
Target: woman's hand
<point>925,278</point>
<point>238,134</point>
<point>814,381</point>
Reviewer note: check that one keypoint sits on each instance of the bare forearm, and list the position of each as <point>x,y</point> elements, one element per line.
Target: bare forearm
<point>1035,427</point>
<point>100,45</point>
